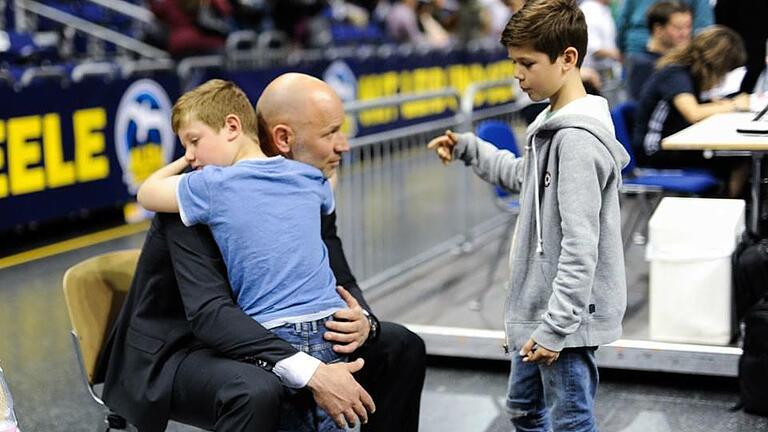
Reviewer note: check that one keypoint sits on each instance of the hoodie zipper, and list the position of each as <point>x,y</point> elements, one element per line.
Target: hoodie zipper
<point>537,204</point>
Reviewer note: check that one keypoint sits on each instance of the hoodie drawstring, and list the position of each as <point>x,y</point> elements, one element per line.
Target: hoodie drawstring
<point>540,242</point>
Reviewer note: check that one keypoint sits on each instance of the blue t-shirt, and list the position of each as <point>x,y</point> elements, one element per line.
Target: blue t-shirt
<point>632,23</point>
<point>657,116</point>
<point>265,217</point>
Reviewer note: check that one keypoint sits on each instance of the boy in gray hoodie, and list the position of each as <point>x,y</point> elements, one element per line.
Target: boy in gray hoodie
<point>567,289</point>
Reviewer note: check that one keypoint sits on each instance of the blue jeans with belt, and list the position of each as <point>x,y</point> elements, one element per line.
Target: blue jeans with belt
<point>557,398</point>
<point>300,413</point>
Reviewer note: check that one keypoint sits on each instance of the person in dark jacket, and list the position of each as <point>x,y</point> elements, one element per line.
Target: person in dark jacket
<point>669,24</point>
<point>194,27</point>
<point>182,349</point>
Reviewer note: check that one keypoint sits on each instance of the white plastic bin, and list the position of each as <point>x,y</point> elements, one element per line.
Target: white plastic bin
<point>690,242</point>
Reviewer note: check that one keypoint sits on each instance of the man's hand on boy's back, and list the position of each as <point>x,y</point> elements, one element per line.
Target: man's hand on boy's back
<point>531,352</point>
<point>444,145</point>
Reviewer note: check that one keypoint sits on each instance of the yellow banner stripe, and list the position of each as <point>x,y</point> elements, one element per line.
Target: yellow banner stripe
<point>75,243</point>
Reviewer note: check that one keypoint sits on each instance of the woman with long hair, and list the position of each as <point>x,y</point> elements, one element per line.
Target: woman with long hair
<point>671,101</point>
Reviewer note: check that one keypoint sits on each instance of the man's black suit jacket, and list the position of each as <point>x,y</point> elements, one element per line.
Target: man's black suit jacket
<point>179,301</point>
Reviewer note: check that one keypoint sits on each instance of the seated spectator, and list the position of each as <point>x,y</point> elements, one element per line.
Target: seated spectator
<point>669,23</point>
<point>499,12</point>
<point>632,28</point>
<point>181,347</point>
<point>301,21</point>
<point>403,24</point>
<point>268,222</point>
<point>671,101</point>
<point>472,21</point>
<point>195,27</point>
<point>434,32</point>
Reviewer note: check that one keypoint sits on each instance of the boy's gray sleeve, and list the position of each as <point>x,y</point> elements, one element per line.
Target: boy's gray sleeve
<point>500,167</point>
<point>581,169</point>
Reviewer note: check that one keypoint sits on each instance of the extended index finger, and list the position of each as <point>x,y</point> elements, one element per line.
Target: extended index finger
<point>438,141</point>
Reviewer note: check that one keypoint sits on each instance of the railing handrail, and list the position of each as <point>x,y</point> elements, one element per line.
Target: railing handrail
<point>50,71</point>
<point>129,68</point>
<point>92,29</point>
<point>468,98</point>
<point>128,9</point>
<point>356,106</point>
<point>185,66</point>
<point>105,69</point>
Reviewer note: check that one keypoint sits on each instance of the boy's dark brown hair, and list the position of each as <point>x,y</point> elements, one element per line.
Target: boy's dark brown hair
<point>548,26</point>
<point>658,14</point>
<point>210,103</point>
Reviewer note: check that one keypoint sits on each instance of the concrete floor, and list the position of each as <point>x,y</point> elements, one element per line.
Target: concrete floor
<point>459,395</point>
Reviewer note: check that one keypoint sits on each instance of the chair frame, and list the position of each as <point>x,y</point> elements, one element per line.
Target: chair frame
<point>112,421</point>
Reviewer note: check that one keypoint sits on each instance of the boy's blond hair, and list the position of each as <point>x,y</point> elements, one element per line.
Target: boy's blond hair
<point>548,26</point>
<point>210,103</point>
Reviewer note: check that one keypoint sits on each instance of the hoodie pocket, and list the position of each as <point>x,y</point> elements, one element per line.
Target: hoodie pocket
<point>530,290</point>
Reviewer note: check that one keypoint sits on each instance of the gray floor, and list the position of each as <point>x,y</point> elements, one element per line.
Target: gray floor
<point>459,396</point>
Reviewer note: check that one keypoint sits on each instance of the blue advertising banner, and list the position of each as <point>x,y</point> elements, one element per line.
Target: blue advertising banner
<point>85,146</point>
<point>90,144</point>
<point>374,77</point>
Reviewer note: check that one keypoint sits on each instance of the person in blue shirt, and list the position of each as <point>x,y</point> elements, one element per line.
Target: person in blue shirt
<point>264,213</point>
<point>631,26</point>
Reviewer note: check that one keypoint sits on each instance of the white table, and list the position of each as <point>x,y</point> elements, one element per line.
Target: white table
<point>718,132</point>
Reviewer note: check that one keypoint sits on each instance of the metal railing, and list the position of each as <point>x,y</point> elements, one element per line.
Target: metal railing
<point>131,10</point>
<point>101,33</point>
<point>398,205</point>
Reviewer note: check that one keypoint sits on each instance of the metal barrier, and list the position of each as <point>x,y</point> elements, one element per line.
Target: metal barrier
<point>100,33</point>
<point>398,205</point>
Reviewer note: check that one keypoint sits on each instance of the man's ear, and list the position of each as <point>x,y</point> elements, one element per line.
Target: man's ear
<point>283,138</point>
<point>233,126</point>
<point>570,58</point>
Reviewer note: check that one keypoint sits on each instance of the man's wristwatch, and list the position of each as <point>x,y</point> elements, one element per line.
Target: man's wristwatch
<point>373,334</point>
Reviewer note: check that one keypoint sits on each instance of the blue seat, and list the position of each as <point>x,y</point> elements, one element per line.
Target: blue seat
<point>501,135</point>
<point>659,181</point>
<point>684,181</point>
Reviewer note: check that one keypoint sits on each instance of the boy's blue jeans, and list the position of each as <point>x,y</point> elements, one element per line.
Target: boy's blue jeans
<point>555,398</point>
<point>300,413</point>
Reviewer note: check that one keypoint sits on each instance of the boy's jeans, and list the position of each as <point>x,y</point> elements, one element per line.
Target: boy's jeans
<point>555,398</point>
<point>300,413</point>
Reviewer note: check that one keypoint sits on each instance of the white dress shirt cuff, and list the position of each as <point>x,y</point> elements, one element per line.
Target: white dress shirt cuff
<point>296,370</point>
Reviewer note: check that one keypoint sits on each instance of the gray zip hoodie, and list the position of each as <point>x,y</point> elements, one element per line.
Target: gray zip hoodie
<point>567,285</point>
